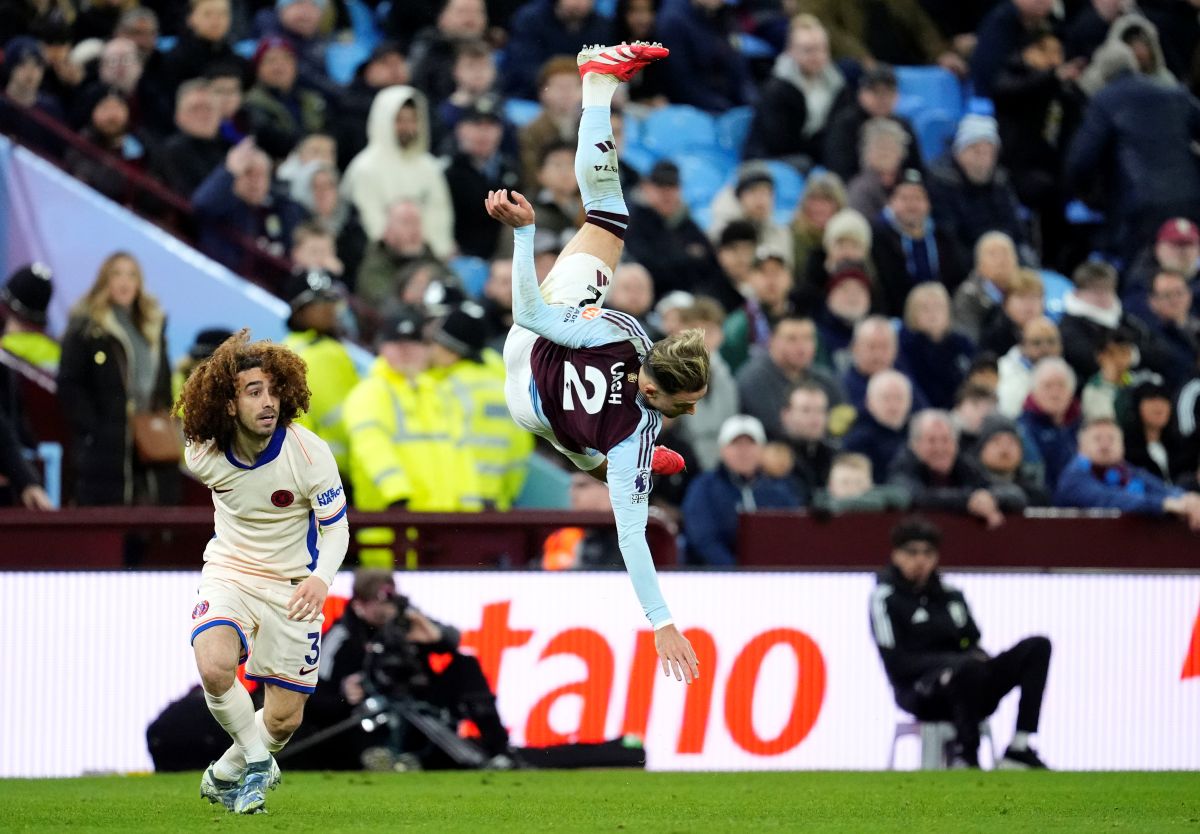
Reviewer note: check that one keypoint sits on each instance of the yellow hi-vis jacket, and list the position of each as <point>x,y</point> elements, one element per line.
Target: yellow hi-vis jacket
<point>37,349</point>
<point>331,378</point>
<point>500,448</point>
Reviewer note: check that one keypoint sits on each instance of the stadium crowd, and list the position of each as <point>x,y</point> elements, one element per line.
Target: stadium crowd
<point>975,303</point>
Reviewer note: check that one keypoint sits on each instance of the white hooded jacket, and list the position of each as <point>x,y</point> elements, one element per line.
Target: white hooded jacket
<point>383,173</point>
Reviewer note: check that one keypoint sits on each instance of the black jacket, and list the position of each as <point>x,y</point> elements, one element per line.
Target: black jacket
<point>891,264</point>
<point>183,162</point>
<point>919,632</point>
<point>469,188</point>
<point>678,254</point>
<point>778,127</point>
<point>843,139</point>
<point>950,494</point>
<point>966,211</point>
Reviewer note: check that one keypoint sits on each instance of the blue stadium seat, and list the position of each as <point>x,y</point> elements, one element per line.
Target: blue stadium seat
<point>733,126</point>
<point>639,159</point>
<point>1056,286</point>
<point>935,86</point>
<point>342,59</point>
<point>789,185</point>
<point>677,128</point>
<point>701,178</point>
<point>632,129</point>
<point>362,21</point>
<point>755,47</point>
<point>1080,213</point>
<point>935,129</point>
<point>165,43</point>
<point>472,271</point>
<point>245,48</point>
<point>981,106</point>
<point>521,111</point>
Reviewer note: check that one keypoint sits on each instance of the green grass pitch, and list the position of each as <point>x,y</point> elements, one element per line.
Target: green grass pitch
<point>624,801</point>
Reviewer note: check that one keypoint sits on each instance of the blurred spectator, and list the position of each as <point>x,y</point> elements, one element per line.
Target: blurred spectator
<point>499,448</point>
<point>1039,340</point>
<point>1089,26</point>
<point>971,193</point>
<point>1106,394</point>
<point>876,99</point>
<point>765,380</point>
<point>1092,310</point>
<point>984,371</point>
<point>1024,301</point>
<point>706,68</point>
<point>225,82</point>
<point>497,302</point>
<point>873,348</point>
<point>752,198</point>
<point>561,97</point>
<point>1136,136</point>
<point>910,247</point>
<point>298,22</point>
<point>315,188</point>
<point>972,405</point>
<point>879,430</point>
<point>314,148</point>
<point>846,237</point>
<point>204,42</point>
<point>1176,327</point>
<point>1038,107</point>
<point>851,489</point>
<point>1152,439</point>
<point>1176,248</point>
<point>433,51</point>
<point>543,29</point>
<point>63,75</point>
<point>935,358</point>
<point>637,20</point>
<point>999,451</point>
<point>939,477</point>
<point>108,129</point>
<point>402,245</point>
<point>24,300</point>
<point>1050,418</point>
<point>190,154</point>
<point>895,32</point>
<point>473,82</point>
<point>978,300</point>
<point>478,165</point>
<point>736,250</point>
<point>1001,33</point>
<point>663,237</point>
<point>632,292</point>
<point>313,248</point>
<point>582,548</point>
<point>122,66</point>
<point>98,19</point>
<point>396,165</point>
<point>203,346</point>
<point>22,73</point>
<point>884,147</point>
<point>737,485</point>
<point>748,329</point>
<point>281,112</point>
<point>1140,35</point>
<point>805,421</point>
<point>238,197</point>
<point>804,90</point>
<point>1099,476</point>
<point>386,66</point>
<point>557,201</point>
<point>847,302</point>
<point>824,196</point>
<point>114,367</point>
<point>721,401</point>
<point>405,20</point>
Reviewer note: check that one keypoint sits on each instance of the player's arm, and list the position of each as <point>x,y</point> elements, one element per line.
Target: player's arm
<point>327,498</point>
<point>629,490</point>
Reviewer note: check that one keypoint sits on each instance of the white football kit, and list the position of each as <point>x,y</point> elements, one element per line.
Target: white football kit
<point>276,522</point>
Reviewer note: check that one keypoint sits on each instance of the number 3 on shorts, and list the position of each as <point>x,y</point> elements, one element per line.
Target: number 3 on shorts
<point>310,659</point>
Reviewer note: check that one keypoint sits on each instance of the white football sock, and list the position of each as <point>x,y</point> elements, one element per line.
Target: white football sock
<point>273,744</point>
<point>232,764</point>
<point>1020,741</point>
<point>235,712</point>
<point>598,89</point>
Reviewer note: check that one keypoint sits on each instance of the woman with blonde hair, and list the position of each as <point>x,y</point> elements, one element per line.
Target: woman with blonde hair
<point>114,375</point>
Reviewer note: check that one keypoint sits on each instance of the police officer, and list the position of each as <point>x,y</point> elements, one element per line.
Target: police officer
<point>26,297</point>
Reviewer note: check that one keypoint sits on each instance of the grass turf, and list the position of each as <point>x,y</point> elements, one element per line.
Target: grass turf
<point>624,801</point>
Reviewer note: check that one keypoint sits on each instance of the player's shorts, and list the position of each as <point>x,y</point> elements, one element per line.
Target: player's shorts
<point>276,650</point>
<point>578,280</point>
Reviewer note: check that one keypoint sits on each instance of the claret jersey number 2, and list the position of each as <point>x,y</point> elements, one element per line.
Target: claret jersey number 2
<point>591,388</point>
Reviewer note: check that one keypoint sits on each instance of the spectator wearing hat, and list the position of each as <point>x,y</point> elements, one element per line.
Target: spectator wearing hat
<point>22,74</point>
<point>474,375</point>
<point>1176,248</point>
<point>203,42</point>
<point>281,112</point>
<point>561,96</point>
<point>707,69</point>
<point>545,29</point>
<point>736,249</point>
<point>876,98</point>
<point>910,247</point>
<point>196,149</point>
<point>935,357</point>
<point>737,485</point>
<point>847,302</point>
<point>880,429</point>
<point>1139,35</point>
<point>1137,136</point>
<point>939,476</point>
<point>299,22</point>
<point>978,299</point>
<point>789,359</point>
<point>804,90</point>
<point>824,196</point>
<point>477,166</point>
<point>847,236</point>
<point>663,237</point>
<point>748,329</point>
<point>313,333</point>
<point>435,50</point>
<point>752,198</point>
<point>972,194</point>
<point>1100,477</point>
<point>999,451</point>
<point>1050,418</point>
<point>883,147</point>
<point>386,66</point>
<point>1152,438</point>
<point>1024,300</point>
<point>1175,326</point>
<point>25,297</point>
<point>1039,339</point>
<point>116,147</point>
<point>1001,33</point>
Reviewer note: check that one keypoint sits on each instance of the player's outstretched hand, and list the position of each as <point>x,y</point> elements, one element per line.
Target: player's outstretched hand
<point>676,654</point>
<point>515,212</point>
<point>308,600</point>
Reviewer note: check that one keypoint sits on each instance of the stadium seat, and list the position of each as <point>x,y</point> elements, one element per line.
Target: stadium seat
<point>472,271</point>
<point>342,59</point>
<point>677,128</point>
<point>1056,285</point>
<point>935,129</point>
<point>936,87</point>
<point>753,47</point>
<point>981,106</point>
<point>362,22</point>
<point>789,185</point>
<point>701,177</point>
<point>547,486</point>
<point>1080,213</point>
<point>732,128</point>
<point>934,736</point>
<point>165,43</point>
<point>639,159</point>
<point>245,48</point>
<point>521,111</point>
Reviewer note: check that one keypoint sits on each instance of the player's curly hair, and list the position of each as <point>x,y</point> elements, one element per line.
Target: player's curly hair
<point>203,402</point>
<point>679,363</point>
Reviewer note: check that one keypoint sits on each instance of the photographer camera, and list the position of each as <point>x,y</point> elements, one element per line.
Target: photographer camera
<point>387,663</point>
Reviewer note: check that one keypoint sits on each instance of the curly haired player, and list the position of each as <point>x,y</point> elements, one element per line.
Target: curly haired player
<point>280,535</point>
<point>587,379</point>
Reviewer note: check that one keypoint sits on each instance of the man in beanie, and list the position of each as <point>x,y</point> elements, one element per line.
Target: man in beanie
<point>313,335</point>
<point>999,451</point>
<point>971,193</point>
<point>474,374</point>
<point>930,647</point>
<point>25,298</point>
<point>1175,248</point>
<point>21,77</point>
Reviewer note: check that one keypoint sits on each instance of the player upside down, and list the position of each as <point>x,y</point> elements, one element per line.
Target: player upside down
<point>587,379</point>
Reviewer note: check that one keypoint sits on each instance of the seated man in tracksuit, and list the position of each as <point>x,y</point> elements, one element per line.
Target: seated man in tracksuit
<point>930,648</point>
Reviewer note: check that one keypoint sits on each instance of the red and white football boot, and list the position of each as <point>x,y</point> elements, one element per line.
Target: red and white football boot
<point>623,61</point>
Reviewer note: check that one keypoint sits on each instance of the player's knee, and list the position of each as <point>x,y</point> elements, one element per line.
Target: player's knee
<point>215,677</point>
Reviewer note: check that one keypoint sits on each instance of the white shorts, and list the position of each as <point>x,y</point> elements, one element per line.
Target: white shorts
<point>576,280</point>
<point>276,650</point>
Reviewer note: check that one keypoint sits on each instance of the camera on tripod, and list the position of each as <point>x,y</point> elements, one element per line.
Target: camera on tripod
<point>394,665</point>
